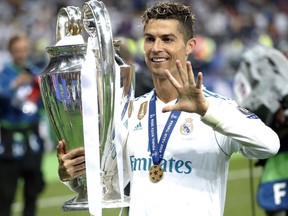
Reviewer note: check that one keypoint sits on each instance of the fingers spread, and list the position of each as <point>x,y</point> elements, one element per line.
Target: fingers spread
<point>190,73</point>
<point>172,79</point>
<point>166,109</point>
<point>199,80</point>
<point>171,107</point>
<point>182,74</point>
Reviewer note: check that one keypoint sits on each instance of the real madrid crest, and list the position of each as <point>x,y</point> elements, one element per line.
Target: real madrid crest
<point>187,126</point>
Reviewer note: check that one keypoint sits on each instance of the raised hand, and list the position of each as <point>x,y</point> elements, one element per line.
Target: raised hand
<point>71,164</point>
<point>190,95</point>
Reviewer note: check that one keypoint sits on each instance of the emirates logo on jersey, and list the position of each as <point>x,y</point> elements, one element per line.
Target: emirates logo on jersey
<point>187,127</point>
<point>169,165</point>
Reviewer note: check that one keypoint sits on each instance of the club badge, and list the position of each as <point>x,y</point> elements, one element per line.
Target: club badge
<point>187,127</point>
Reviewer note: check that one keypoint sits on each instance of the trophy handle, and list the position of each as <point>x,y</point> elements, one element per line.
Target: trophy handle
<point>68,22</point>
<point>96,22</point>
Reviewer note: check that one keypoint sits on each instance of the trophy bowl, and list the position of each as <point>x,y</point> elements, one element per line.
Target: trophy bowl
<point>60,86</point>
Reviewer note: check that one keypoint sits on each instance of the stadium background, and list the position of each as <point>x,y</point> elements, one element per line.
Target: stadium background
<point>224,29</point>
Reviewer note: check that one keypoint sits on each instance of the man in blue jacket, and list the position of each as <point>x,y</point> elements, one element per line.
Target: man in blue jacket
<point>21,147</point>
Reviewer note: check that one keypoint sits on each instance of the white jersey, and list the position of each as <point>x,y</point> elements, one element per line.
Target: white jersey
<point>196,160</point>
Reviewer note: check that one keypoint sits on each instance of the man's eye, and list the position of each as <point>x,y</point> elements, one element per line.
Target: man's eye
<point>167,40</point>
<point>149,39</point>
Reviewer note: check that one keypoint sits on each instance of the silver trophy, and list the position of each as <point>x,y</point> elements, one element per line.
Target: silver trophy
<point>60,85</point>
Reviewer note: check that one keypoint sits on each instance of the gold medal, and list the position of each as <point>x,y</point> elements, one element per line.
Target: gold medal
<point>156,173</point>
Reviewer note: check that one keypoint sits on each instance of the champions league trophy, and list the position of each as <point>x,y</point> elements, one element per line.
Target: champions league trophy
<point>60,85</point>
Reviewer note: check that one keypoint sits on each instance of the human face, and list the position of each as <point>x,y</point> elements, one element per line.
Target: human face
<point>20,51</point>
<point>163,45</point>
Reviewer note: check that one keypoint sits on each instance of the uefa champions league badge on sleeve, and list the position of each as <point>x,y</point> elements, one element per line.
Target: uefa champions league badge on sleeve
<point>247,112</point>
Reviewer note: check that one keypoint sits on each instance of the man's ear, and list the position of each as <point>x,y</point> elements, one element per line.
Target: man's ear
<point>190,46</point>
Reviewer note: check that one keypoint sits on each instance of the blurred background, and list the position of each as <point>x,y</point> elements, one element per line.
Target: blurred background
<point>224,29</point>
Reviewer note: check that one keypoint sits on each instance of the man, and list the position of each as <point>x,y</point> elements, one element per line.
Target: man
<point>21,147</point>
<point>179,166</point>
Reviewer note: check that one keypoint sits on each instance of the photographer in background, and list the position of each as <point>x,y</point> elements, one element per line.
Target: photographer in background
<point>21,147</point>
<point>261,86</point>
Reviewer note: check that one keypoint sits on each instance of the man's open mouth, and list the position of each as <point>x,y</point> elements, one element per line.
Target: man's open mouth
<point>159,59</point>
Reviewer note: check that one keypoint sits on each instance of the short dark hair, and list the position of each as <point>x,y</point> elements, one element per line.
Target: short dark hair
<point>172,10</point>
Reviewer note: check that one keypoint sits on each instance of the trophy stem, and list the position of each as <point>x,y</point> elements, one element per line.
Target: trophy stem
<point>80,202</point>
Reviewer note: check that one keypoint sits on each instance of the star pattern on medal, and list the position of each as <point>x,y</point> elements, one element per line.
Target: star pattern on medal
<point>156,173</point>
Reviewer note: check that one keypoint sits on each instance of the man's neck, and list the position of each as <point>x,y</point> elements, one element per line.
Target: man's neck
<point>166,93</point>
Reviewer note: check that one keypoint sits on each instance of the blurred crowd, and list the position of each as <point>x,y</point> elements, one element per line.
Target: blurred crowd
<point>224,28</point>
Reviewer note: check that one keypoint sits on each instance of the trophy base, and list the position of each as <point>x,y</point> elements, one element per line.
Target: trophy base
<point>73,205</point>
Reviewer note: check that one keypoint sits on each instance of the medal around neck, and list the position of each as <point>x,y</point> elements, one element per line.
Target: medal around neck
<point>158,149</point>
<point>156,173</point>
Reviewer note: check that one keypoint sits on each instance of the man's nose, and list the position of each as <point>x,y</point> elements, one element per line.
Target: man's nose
<point>157,46</point>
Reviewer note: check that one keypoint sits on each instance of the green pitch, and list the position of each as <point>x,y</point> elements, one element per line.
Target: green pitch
<point>239,201</point>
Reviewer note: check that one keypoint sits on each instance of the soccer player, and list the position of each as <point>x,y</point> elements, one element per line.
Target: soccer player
<point>181,135</point>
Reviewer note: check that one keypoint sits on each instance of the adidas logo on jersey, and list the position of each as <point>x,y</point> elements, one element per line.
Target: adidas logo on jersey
<point>126,124</point>
<point>138,127</point>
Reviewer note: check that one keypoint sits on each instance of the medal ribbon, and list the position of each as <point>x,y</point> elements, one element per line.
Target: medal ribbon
<point>91,129</point>
<point>157,150</point>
